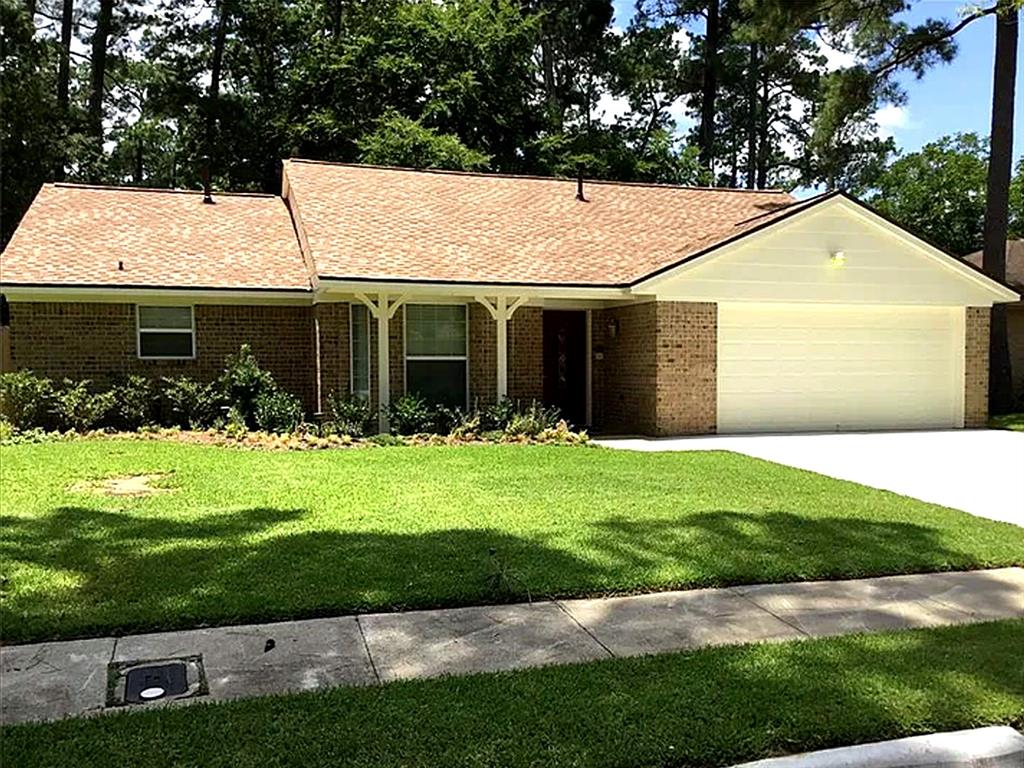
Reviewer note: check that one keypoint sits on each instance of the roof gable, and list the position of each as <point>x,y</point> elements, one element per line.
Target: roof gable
<point>789,258</point>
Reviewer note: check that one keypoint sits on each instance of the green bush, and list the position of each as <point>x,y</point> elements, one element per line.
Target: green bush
<point>190,404</point>
<point>498,415</point>
<point>350,415</point>
<point>75,407</point>
<point>133,403</point>
<point>277,411</point>
<point>410,415</point>
<point>243,382</point>
<point>26,400</point>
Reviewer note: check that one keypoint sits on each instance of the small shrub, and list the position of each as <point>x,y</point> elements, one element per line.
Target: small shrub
<point>79,409</point>
<point>466,425</point>
<point>350,415</point>
<point>498,415</point>
<point>6,431</point>
<point>533,420</point>
<point>235,426</point>
<point>26,400</point>
<point>278,411</point>
<point>133,404</point>
<point>410,415</point>
<point>189,403</point>
<point>243,382</point>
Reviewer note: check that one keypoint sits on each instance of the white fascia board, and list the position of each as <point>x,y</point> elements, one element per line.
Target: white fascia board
<point>113,295</point>
<point>331,288</point>
<point>1000,293</point>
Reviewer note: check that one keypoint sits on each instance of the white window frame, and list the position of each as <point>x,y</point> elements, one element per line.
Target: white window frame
<point>362,394</point>
<point>406,357</point>
<point>139,330</point>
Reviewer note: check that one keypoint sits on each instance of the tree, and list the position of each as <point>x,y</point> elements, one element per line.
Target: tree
<point>408,144</point>
<point>939,192</point>
<point>998,198</point>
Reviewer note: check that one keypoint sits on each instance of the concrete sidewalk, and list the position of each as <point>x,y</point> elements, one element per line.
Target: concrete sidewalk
<point>53,680</point>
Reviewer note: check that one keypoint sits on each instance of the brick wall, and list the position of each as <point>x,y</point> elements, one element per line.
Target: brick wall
<point>332,322</point>
<point>98,342</point>
<point>624,381</point>
<point>657,374</point>
<point>526,355</point>
<point>976,340</point>
<point>483,355</point>
<point>686,360</point>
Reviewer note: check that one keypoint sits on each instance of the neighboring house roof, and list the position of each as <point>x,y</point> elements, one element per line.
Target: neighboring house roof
<point>389,224</point>
<point>75,235</point>
<point>1014,262</point>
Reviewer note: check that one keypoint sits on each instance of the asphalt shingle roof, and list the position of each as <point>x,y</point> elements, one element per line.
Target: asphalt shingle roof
<point>75,235</point>
<point>1014,262</point>
<point>365,222</point>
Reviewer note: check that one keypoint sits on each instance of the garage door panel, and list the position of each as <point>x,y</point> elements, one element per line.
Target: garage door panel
<point>804,367</point>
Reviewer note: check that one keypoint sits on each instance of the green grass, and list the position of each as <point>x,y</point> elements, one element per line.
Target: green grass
<point>711,707</point>
<point>1014,421</point>
<point>248,536</point>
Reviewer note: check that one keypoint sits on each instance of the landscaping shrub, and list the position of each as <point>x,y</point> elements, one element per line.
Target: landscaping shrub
<point>243,382</point>
<point>26,400</point>
<point>275,410</point>
<point>75,407</point>
<point>133,403</point>
<point>410,415</point>
<point>190,404</point>
<point>498,415</point>
<point>350,415</point>
<point>532,420</point>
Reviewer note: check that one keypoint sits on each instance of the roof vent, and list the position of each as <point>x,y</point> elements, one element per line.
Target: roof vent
<point>579,184</point>
<point>207,195</point>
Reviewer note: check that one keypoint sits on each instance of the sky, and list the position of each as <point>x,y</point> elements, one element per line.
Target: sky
<point>950,98</point>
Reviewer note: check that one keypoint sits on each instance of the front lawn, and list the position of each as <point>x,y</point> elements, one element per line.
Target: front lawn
<point>243,536</point>
<point>712,707</point>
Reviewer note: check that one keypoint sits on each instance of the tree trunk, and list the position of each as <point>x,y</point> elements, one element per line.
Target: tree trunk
<point>63,85</point>
<point>30,7</point>
<point>548,68</point>
<point>98,68</point>
<point>709,89</point>
<point>752,78</point>
<point>762,134</point>
<point>997,197</point>
<point>138,162</point>
<point>216,63</point>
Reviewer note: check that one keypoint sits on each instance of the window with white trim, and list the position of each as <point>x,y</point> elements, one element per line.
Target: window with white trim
<point>436,359</point>
<point>359,348</point>
<point>166,333</point>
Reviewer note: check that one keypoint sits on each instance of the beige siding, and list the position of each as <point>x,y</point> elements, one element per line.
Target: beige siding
<point>790,262</point>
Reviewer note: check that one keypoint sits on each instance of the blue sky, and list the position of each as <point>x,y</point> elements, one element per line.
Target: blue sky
<point>950,98</point>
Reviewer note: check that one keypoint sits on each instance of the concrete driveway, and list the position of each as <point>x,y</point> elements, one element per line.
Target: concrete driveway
<point>978,471</point>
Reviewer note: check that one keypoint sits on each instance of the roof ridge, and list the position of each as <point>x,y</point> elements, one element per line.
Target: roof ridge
<point>533,177</point>
<point>168,190</point>
<point>806,201</point>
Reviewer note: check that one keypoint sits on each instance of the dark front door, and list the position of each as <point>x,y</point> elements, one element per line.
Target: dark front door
<point>565,363</point>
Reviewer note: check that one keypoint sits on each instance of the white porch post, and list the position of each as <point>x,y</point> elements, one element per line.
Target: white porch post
<point>501,319</point>
<point>502,312</point>
<point>383,310</point>
<point>383,362</point>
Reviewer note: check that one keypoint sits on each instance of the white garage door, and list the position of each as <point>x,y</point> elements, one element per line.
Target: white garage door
<point>826,368</point>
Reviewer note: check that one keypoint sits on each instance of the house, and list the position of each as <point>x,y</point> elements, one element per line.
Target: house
<point>635,308</point>
<point>1014,312</point>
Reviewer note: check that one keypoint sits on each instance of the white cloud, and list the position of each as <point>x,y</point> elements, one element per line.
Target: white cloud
<point>681,37</point>
<point>835,58</point>
<point>892,118</point>
<point>610,108</point>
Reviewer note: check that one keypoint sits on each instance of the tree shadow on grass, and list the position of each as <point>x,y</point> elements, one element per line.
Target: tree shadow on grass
<point>81,571</point>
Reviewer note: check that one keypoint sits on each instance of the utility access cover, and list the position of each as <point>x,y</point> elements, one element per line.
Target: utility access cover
<point>141,682</point>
